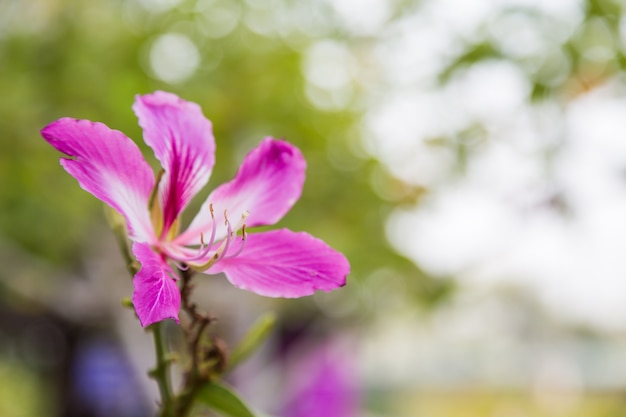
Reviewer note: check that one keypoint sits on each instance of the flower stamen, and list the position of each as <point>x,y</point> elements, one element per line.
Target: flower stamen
<point>243,243</point>
<point>206,248</point>
<point>180,265</point>
<point>221,252</point>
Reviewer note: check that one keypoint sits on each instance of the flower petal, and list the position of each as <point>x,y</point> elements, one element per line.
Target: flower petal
<point>108,165</point>
<point>282,263</point>
<point>267,185</point>
<point>182,140</point>
<point>156,296</point>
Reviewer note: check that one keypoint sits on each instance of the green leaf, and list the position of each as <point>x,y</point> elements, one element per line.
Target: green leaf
<point>223,399</point>
<point>256,335</point>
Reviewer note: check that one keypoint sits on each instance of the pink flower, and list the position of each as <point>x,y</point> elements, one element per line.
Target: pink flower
<point>278,263</point>
<point>322,381</point>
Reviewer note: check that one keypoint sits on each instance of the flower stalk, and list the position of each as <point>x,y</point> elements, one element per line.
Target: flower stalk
<point>195,378</point>
<point>161,372</point>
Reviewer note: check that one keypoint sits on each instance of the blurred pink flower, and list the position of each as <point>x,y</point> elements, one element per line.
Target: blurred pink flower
<point>278,263</point>
<point>323,383</point>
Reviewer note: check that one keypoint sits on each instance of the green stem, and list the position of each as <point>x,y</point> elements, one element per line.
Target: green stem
<point>161,372</point>
<point>119,230</point>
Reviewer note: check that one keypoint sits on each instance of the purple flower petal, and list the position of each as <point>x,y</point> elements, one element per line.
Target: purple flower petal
<point>322,382</point>
<point>156,296</point>
<point>282,263</point>
<point>108,165</point>
<point>182,140</point>
<point>267,185</point>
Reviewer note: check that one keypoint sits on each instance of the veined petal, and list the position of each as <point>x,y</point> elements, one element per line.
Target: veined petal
<point>108,165</point>
<point>182,140</point>
<point>156,296</point>
<point>282,263</point>
<point>267,185</point>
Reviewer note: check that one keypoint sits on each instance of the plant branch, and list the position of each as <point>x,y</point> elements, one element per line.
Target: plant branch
<point>205,360</point>
<point>161,371</point>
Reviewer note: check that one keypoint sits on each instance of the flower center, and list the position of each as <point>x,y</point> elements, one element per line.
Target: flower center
<point>211,252</point>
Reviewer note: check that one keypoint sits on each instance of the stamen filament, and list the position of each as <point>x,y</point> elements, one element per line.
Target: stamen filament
<point>243,244</point>
<point>181,265</point>
<point>222,251</point>
<point>229,236</point>
<point>205,249</point>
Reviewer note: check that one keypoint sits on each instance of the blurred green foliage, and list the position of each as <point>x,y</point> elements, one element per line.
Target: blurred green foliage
<point>22,392</point>
<point>477,403</point>
<point>568,62</point>
<point>89,59</point>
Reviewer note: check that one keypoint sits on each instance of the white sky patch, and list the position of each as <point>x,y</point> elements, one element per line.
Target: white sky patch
<point>593,166</point>
<point>331,100</point>
<point>462,17</point>
<point>329,70</point>
<point>174,58</point>
<point>362,17</point>
<point>518,35</point>
<point>467,17</point>
<point>577,274</point>
<point>401,126</point>
<point>328,64</point>
<point>261,19</point>
<point>490,91</point>
<point>497,224</point>
<point>159,6</point>
<point>308,18</point>
<point>414,51</point>
<point>555,227</point>
<point>570,10</point>
<point>455,231</point>
<point>514,177</point>
<point>399,129</point>
<point>219,19</point>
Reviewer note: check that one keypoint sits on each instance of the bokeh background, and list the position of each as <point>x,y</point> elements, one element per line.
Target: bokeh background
<point>468,157</point>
